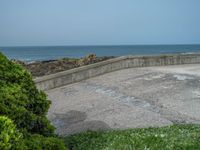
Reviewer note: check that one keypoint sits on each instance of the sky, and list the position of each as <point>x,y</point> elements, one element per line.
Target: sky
<point>99,22</point>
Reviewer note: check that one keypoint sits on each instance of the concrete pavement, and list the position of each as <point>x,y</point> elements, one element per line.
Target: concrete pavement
<point>129,98</point>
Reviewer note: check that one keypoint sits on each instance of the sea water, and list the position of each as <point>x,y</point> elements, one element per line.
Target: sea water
<point>35,53</point>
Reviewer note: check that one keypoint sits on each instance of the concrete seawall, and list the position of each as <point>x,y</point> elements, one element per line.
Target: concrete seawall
<point>86,72</point>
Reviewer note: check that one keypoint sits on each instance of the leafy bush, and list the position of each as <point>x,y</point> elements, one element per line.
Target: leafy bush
<point>12,139</point>
<point>21,101</point>
<point>9,136</point>
<point>27,107</point>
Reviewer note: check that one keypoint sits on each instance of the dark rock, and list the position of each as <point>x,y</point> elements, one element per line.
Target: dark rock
<point>41,68</point>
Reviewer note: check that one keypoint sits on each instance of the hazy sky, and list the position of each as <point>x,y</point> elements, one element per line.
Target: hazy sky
<point>99,22</point>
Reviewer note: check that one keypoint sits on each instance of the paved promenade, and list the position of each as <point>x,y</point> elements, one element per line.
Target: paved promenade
<point>129,98</point>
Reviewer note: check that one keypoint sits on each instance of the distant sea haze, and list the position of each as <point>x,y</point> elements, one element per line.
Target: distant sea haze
<point>40,53</point>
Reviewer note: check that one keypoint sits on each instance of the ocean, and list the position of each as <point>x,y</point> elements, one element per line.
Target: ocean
<point>39,53</point>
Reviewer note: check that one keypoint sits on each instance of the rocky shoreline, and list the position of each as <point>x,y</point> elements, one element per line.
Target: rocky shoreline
<point>41,68</point>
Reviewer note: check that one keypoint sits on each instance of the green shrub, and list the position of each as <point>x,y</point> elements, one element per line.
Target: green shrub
<point>9,136</point>
<point>21,101</point>
<point>12,139</point>
<point>27,107</point>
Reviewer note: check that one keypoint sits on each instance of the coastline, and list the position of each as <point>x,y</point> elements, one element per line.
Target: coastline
<point>124,62</point>
<point>30,54</point>
<point>47,67</point>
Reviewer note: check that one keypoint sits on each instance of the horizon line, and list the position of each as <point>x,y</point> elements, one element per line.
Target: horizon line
<point>97,45</point>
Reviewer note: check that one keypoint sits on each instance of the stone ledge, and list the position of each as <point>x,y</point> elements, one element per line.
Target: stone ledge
<point>130,61</point>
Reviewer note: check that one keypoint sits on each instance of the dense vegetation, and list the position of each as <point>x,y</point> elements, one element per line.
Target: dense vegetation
<point>9,136</point>
<point>178,137</point>
<point>23,111</point>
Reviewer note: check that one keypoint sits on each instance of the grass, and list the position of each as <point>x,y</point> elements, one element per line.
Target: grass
<point>175,137</point>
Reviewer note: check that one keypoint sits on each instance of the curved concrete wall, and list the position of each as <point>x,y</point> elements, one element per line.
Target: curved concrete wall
<point>85,72</point>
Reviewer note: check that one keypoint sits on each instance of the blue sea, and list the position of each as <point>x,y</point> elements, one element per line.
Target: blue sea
<point>35,53</point>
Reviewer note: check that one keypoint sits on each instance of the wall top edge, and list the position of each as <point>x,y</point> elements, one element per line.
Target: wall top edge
<point>63,73</point>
